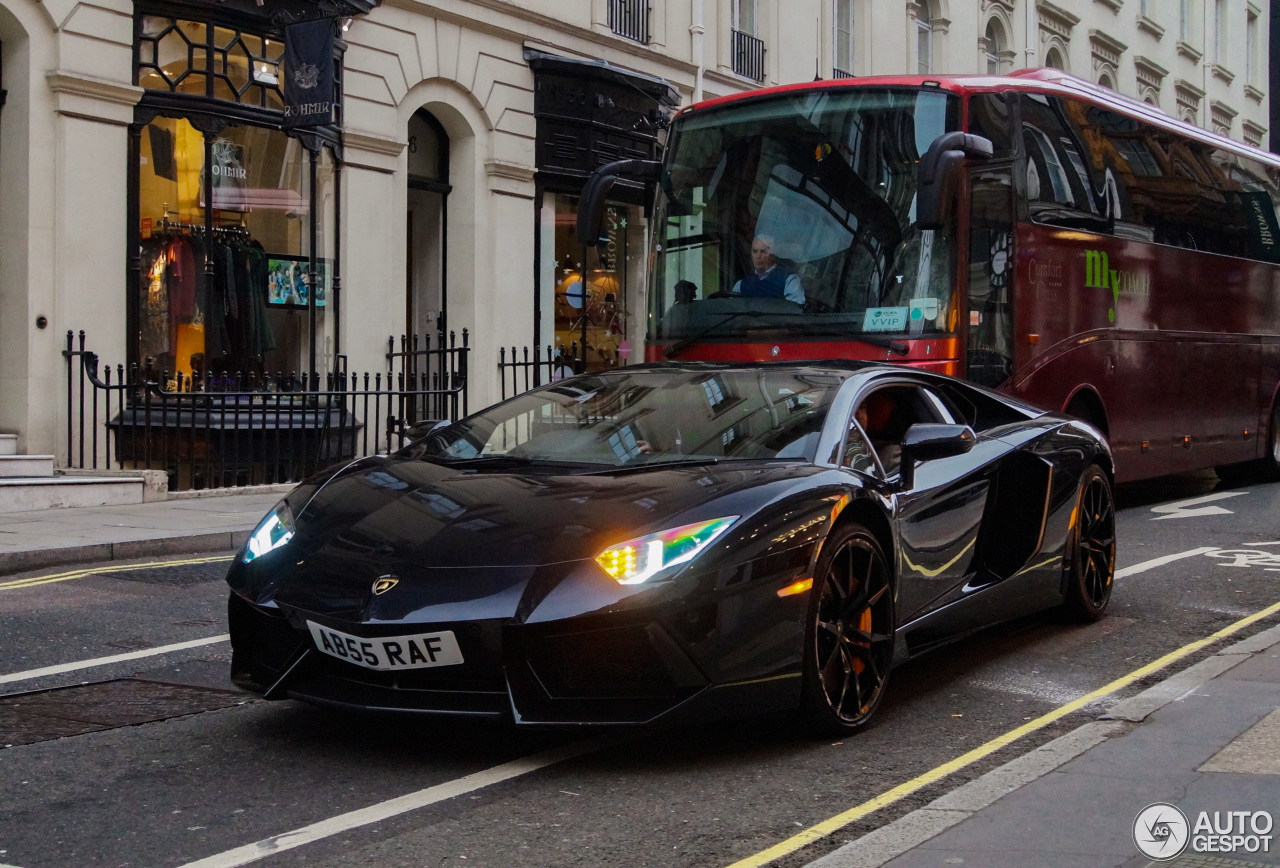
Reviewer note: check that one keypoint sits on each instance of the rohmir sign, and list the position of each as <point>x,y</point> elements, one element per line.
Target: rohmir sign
<point>308,74</point>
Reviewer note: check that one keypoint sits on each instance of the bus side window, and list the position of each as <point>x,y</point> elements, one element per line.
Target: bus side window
<point>989,358</point>
<point>990,115</point>
<point>1063,187</point>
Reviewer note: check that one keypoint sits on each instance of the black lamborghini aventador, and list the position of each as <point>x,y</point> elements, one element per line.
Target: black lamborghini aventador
<point>673,541</point>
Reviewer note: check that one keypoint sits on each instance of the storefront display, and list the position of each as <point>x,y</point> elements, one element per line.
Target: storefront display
<point>592,305</point>
<point>590,113</point>
<point>236,218</point>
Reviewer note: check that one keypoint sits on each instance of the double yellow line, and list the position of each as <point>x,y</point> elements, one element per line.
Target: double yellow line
<point>32,581</point>
<point>839,821</point>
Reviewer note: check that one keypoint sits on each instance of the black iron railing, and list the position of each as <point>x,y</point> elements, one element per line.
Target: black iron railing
<point>748,56</point>
<point>837,72</point>
<point>630,18</point>
<point>224,430</point>
<point>522,372</point>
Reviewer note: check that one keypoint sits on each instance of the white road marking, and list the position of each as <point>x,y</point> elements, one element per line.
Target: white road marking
<point>114,658</point>
<point>1160,562</point>
<point>1192,508</point>
<point>397,806</point>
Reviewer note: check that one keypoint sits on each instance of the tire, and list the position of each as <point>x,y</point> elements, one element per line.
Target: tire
<point>849,636</point>
<point>1092,553</point>
<point>1084,409</point>
<point>1264,469</point>
<point>1268,466</point>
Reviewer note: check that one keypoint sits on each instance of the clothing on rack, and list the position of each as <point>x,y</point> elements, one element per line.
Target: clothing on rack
<point>225,311</point>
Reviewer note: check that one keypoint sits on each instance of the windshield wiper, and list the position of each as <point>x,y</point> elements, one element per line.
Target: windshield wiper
<point>819,329</point>
<point>484,461</point>
<point>655,465</point>
<point>673,350</point>
<point>888,343</point>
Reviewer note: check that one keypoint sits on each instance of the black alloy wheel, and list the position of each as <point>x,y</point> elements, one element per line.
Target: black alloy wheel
<point>849,639</point>
<point>1093,548</point>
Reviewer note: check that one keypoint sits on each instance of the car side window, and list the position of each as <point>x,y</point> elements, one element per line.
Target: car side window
<point>857,452</point>
<point>886,413</point>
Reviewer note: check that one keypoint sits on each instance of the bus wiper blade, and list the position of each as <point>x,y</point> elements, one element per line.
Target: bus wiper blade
<point>896,346</point>
<point>672,351</point>
<point>888,343</point>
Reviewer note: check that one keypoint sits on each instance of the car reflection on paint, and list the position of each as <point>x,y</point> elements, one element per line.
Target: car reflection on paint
<point>672,542</point>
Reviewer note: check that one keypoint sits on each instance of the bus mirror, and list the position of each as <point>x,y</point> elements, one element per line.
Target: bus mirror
<point>939,171</point>
<point>596,190</point>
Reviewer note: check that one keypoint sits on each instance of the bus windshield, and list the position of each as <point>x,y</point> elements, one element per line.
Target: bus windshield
<point>791,217</point>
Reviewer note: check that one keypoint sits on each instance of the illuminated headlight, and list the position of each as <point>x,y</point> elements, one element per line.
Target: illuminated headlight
<point>272,532</point>
<point>638,560</point>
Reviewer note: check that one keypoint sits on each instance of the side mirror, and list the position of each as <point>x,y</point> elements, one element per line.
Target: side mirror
<point>939,173</point>
<point>926,441</point>
<point>596,190</point>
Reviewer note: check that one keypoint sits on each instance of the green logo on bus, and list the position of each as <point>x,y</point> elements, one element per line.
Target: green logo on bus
<point>1098,275</point>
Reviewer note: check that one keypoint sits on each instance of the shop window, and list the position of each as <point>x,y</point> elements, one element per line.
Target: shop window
<point>225,229</point>
<point>201,59</point>
<point>592,287</point>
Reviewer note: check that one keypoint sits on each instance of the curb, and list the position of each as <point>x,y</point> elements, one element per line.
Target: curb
<point>923,824</point>
<point>190,544</point>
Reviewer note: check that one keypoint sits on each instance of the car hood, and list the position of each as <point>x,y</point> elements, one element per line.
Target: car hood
<point>416,512</point>
<point>467,545</point>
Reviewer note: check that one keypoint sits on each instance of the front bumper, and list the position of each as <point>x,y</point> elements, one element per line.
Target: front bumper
<point>553,674</point>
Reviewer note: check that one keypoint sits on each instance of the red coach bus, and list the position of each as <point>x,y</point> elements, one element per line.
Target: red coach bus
<point>1033,233</point>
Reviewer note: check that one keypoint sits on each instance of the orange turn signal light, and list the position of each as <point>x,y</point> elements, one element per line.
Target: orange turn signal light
<point>796,588</point>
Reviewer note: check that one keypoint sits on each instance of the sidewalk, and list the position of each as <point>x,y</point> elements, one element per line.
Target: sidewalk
<point>181,525</point>
<point>1206,739</point>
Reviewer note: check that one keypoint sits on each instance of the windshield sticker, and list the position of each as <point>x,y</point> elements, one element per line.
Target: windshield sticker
<point>924,309</point>
<point>885,319</point>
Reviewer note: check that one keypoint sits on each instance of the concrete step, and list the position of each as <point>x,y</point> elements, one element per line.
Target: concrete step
<point>8,444</point>
<point>14,466</point>
<point>20,495</point>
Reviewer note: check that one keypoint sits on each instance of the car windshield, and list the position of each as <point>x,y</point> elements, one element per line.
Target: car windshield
<point>646,416</point>
<point>795,214</point>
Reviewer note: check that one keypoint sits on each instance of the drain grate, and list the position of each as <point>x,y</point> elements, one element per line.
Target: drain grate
<point>27,718</point>
<point>181,575</point>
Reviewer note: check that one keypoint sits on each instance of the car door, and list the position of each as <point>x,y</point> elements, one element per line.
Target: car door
<point>940,511</point>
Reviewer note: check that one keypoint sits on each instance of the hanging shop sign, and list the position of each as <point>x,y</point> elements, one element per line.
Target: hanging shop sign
<point>229,176</point>
<point>308,74</point>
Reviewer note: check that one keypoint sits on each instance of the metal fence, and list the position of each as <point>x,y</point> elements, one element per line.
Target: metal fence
<point>748,56</point>
<point>523,371</point>
<point>630,18</point>
<point>227,430</point>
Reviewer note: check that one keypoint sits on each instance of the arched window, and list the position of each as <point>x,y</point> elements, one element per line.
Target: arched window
<point>1053,59</point>
<point>1106,81</point>
<point>924,39</point>
<point>995,46</point>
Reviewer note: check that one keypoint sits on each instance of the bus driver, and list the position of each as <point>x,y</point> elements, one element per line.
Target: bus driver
<point>769,280</point>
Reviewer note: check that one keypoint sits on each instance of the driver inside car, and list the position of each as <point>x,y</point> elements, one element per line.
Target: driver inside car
<point>876,414</point>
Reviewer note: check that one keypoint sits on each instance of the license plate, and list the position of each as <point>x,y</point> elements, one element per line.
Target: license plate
<point>414,651</point>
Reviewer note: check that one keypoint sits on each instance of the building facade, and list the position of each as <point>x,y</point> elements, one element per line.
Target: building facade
<point>154,194</point>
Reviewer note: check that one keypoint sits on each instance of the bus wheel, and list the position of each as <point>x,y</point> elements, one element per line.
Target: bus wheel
<point>1269,464</point>
<point>1264,469</point>
<point>1085,408</point>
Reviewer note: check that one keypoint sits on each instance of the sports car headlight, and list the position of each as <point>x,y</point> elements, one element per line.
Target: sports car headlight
<point>638,560</point>
<point>272,532</point>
